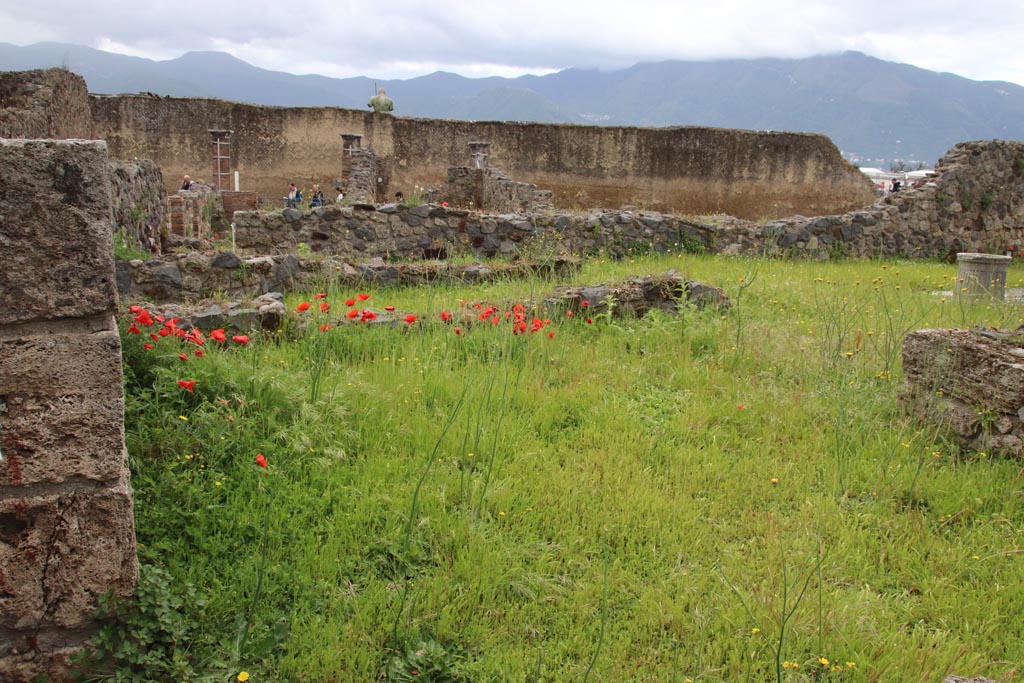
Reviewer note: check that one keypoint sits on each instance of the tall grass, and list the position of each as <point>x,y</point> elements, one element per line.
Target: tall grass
<point>490,507</point>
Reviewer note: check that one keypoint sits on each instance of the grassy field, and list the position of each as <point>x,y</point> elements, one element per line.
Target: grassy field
<point>706,496</point>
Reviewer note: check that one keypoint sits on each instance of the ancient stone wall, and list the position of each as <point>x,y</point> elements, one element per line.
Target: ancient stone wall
<point>974,203</point>
<point>66,530</point>
<point>50,103</point>
<point>491,190</point>
<point>138,202</point>
<point>688,170</point>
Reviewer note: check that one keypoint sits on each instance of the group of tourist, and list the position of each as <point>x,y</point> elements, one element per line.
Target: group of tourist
<point>294,198</point>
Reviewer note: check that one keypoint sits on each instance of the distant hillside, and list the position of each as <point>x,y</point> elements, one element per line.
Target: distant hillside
<point>875,111</point>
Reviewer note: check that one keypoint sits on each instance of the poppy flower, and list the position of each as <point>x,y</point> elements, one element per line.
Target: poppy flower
<point>321,295</point>
<point>389,308</point>
<point>458,331</point>
<point>304,306</point>
<point>584,304</point>
<point>218,336</point>
<point>352,314</point>
<point>569,313</point>
<point>147,346</point>
<point>741,406</point>
<point>261,461</point>
<point>590,321</point>
<point>444,204</point>
<point>551,334</point>
<point>326,326</point>
<point>368,315</point>
<point>154,336</point>
<point>324,307</point>
<point>144,319</point>
<point>135,309</point>
<point>242,339</point>
<point>183,357</point>
<point>189,385</point>
<point>199,353</point>
<point>445,316</point>
<point>409,319</point>
<point>350,302</point>
<point>134,329</point>
<point>363,297</point>
<point>163,332</point>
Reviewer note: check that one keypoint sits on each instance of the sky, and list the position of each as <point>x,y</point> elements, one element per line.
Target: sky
<point>980,39</point>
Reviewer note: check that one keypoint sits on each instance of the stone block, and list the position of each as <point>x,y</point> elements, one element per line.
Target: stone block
<point>56,231</point>
<point>61,408</point>
<point>60,552</point>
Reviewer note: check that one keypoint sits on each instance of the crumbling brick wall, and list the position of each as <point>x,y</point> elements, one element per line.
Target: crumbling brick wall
<point>66,521</point>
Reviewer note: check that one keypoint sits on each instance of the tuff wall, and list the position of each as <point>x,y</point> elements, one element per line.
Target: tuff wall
<point>689,170</point>
<point>66,520</point>
<point>47,103</point>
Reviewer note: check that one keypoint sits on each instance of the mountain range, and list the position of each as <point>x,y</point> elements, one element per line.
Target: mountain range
<point>877,112</point>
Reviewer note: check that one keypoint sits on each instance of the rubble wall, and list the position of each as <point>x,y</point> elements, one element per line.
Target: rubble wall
<point>691,170</point>
<point>66,520</point>
<point>46,103</point>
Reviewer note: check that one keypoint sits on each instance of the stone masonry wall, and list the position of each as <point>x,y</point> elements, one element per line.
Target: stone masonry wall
<point>491,190</point>
<point>691,170</point>
<point>50,103</point>
<point>975,203</point>
<point>66,521</point>
<point>138,202</point>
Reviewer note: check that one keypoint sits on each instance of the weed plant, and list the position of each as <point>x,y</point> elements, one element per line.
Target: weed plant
<point>705,496</point>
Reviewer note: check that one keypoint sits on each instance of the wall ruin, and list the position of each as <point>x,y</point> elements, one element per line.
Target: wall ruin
<point>50,103</point>
<point>689,170</point>
<point>66,520</point>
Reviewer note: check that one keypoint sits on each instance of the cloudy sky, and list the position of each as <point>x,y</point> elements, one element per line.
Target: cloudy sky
<point>980,39</point>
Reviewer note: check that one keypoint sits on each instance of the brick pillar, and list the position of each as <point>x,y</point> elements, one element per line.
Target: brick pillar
<point>66,521</point>
<point>221,149</point>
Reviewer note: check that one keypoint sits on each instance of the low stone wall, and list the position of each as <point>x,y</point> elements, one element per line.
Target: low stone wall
<point>970,381</point>
<point>138,202</point>
<point>66,520</point>
<point>491,190</point>
<point>194,275</point>
<point>975,203</point>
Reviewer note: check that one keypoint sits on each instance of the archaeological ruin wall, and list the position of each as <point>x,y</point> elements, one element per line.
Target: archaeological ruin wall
<point>689,170</point>
<point>66,519</point>
<point>50,103</point>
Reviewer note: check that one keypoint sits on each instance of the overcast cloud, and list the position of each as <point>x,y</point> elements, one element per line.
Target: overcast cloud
<point>405,38</point>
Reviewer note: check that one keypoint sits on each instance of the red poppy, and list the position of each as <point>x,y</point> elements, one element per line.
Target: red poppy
<point>495,320</point>
<point>190,386</point>
<point>147,345</point>
<point>458,330</point>
<point>199,353</point>
<point>444,204</point>
<point>261,461</point>
<point>584,304</point>
<point>389,308</point>
<point>445,316</point>
<point>368,315</point>
<point>741,406</point>
<point>158,318</point>
<point>569,313</point>
<point>321,295</point>
<point>135,309</point>
<point>183,357</point>
<point>242,339</point>
<point>304,306</point>
<point>163,332</point>
<point>409,319</point>
<point>324,307</point>
<point>325,327</point>
<point>551,334</point>
<point>590,321</point>
<point>350,302</point>
<point>154,336</point>
<point>134,329</point>
<point>352,314</point>
<point>218,336</point>
<point>363,297</point>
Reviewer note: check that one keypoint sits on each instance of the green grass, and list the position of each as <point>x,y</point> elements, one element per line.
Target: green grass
<point>685,491</point>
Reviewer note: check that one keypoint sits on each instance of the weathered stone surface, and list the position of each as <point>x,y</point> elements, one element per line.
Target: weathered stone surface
<point>957,679</point>
<point>60,552</point>
<point>51,103</point>
<point>639,295</point>
<point>972,382</point>
<point>61,408</point>
<point>56,233</point>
